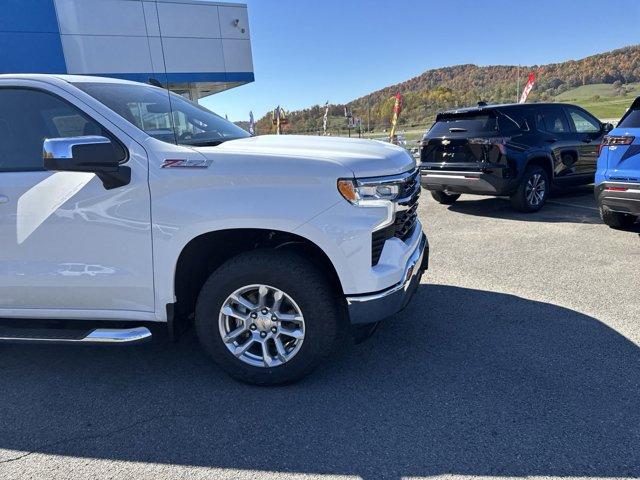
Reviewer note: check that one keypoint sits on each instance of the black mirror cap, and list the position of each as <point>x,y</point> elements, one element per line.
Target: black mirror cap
<point>95,157</point>
<point>607,127</point>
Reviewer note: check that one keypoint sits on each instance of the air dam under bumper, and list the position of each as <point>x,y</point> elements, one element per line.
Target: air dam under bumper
<point>371,308</point>
<point>619,197</point>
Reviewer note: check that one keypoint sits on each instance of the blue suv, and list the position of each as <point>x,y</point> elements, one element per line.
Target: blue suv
<point>618,175</point>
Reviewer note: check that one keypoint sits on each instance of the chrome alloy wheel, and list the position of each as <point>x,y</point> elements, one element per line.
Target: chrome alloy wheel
<point>261,325</point>
<point>535,190</point>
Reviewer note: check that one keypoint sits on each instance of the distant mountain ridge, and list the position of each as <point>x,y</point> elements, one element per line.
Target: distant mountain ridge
<point>464,85</point>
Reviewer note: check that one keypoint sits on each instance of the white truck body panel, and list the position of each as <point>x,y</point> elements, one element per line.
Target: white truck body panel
<point>112,254</point>
<point>55,222</point>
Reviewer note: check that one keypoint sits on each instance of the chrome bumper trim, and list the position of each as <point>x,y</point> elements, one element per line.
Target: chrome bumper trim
<point>371,308</point>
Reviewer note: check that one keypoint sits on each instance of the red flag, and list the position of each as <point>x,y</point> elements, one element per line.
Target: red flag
<point>528,87</point>
<point>397,109</point>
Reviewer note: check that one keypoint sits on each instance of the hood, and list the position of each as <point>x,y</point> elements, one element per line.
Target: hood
<point>365,158</point>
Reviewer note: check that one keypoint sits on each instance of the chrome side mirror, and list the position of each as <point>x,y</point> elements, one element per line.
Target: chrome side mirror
<point>93,154</point>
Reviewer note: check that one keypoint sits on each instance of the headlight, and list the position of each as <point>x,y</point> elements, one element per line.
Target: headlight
<point>359,193</point>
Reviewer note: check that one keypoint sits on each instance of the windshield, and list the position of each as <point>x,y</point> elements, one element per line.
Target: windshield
<point>167,117</point>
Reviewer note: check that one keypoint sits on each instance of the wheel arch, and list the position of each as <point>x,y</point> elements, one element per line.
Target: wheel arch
<point>208,251</point>
<point>544,161</point>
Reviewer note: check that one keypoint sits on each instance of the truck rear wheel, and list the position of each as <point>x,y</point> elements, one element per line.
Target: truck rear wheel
<point>445,198</point>
<point>615,219</point>
<point>268,317</point>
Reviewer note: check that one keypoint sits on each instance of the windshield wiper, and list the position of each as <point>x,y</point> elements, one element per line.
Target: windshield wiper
<point>204,143</point>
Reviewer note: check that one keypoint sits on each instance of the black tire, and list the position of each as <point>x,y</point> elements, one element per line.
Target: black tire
<point>616,219</point>
<point>444,198</point>
<point>536,178</point>
<point>298,278</point>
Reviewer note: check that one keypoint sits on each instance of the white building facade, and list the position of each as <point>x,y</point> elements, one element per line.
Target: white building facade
<point>195,47</point>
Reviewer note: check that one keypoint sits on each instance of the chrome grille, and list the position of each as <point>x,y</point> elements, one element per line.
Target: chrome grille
<point>406,217</point>
<point>406,220</point>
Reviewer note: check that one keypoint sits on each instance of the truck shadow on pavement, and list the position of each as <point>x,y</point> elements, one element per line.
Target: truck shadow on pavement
<point>573,205</point>
<point>463,381</point>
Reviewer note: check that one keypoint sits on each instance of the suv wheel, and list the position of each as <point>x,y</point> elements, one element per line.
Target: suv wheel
<point>615,219</point>
<point>532,192</point>
<point>444,198</point>
<point>268,317</point>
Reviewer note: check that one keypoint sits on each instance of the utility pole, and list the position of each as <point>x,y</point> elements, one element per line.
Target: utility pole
<point>368,114</point>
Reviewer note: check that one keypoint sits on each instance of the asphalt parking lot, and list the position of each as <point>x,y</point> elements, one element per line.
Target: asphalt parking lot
<point>519,356</point>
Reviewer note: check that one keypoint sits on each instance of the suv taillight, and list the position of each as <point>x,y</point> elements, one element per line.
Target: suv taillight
<point>614,141</point>
<point>499,142</point>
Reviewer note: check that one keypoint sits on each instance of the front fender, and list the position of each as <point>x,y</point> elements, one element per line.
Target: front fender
<point>187,203</point>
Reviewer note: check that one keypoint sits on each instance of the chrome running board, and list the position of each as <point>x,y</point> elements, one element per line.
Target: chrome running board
<point>98,336</point>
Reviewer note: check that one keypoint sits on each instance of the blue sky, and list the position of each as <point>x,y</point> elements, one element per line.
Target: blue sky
<point>306,52</point>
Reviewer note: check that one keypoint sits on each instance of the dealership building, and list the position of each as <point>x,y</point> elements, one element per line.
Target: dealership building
<point>194,47</point>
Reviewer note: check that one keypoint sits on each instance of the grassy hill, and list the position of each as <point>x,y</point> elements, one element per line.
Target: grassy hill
<point>601,99</point>
<point>605,84</point>
<point>587,92</point>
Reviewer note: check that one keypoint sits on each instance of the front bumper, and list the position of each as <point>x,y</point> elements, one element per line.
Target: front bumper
<point>371,308</point>
<point>484,182</point>
<point>619,197</point>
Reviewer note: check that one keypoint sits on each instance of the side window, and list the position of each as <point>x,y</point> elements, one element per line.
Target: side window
<point>507,124</point>
<point>555,120</point>
<point>583,123</point>
<point>515,120</point>
<point>540,126</point>
<point>27,117</point>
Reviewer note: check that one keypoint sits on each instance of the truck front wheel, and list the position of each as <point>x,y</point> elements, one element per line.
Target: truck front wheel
<point>268,317</point>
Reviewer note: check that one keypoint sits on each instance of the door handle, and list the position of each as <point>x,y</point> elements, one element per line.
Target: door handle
<point>4,199</point>
<point>586,140</point>
<point>551,140</point>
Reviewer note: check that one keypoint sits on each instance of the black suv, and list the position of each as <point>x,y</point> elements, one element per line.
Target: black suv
<point>515,150</point>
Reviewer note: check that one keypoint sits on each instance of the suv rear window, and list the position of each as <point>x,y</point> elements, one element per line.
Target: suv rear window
<point>473,123</point>
<point>631,120</point>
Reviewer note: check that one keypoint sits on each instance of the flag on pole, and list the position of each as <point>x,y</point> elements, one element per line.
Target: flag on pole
<point>528,87</point>
<point>397,110</point>
<point>325,118</point>
<point>252,124</point>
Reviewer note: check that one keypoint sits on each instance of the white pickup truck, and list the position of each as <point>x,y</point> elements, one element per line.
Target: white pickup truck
<point>124,207</point>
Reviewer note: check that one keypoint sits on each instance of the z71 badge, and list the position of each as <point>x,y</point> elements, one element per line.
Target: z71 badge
<point>186,163</point>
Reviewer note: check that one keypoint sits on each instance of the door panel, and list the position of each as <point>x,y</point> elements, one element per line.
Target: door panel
<point>67,243</point>
<point>588,132</point>
<point>556,132</point>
